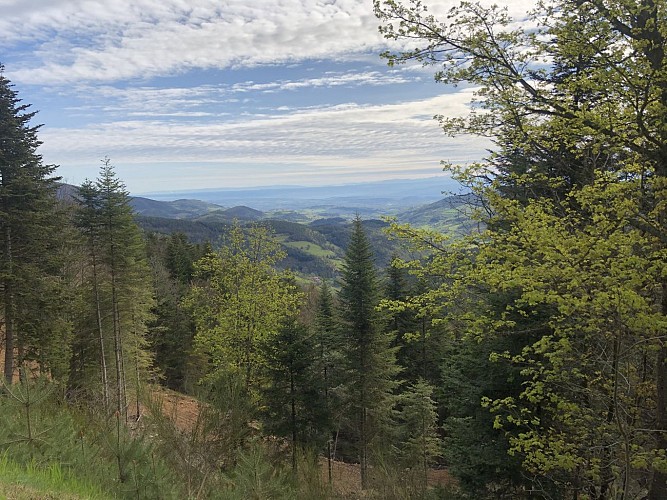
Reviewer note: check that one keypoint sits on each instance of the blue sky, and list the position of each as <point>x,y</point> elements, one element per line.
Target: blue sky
<point>189,94</point>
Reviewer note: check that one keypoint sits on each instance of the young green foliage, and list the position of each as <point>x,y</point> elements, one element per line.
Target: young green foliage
<point>573,92</point>
<point>238,300</point>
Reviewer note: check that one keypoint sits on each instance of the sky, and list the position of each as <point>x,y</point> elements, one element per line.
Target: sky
<point>194,94</point>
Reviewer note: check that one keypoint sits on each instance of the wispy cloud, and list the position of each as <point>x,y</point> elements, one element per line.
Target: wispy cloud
<point>332,79</point>
<point>189,101</point>
<point>200,93</point>
<point>101,40</point>
<point>347,138</point>
<point>138,39</point>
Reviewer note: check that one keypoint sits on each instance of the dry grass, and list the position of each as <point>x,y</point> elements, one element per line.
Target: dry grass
<point>346,479</point>
<point>26,492</point>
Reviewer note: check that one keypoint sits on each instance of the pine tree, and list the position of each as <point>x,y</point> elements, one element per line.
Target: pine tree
<point>88,221</point>
<point>396,290</point>
<point>420,444</point>
<point>410,325</point>
<point>328,352</point>
<point>294,399</point>
<point>370,360</point>
<point>121,293</point>
<point>172,332</point>
<point>30,244</point>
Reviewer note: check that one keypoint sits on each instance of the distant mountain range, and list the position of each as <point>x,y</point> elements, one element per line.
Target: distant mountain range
<point>177,209</point>
<point>313,231</point>
<point>390,195</point>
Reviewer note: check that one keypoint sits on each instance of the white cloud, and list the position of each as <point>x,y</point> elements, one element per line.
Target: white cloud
<point>103,40</point>
<point>105,54</point>
<point>125,39</point>
<point>311,142</point>
<point>197,100</point>
<point>331,79</point>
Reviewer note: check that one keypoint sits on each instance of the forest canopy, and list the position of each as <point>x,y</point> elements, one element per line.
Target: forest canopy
<point>527,357</point>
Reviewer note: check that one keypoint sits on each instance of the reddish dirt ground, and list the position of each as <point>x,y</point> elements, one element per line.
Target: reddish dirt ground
<point>183,410</point>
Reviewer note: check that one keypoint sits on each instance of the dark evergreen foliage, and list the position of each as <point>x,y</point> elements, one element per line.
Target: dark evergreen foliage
<point>117,293</point>
<point>369,358</point>
<point>295,398</point>
<point>31,243</point>
<point>171,332</point>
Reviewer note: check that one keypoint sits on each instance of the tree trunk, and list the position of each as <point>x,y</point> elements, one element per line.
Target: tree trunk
<point>363,438</point>
<point>293,417</point>
<point>118,350</point>
<point>103,356</point>
<point>9,309</point>
<point>9,334</point>
<point>362,447</point>
<point>326,402</point>
<point>658,489</point>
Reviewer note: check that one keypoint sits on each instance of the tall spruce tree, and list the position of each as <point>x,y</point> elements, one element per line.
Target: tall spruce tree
<point>419,444</point>
<point>90,344</point>
<point>411,324</point>
<point>370,359</point>
<point>328,363</point>
<point>124,254</point>
<point>294,397</point>
<point>30,226</point>
<point>121,295</point>
<point>172,332</point>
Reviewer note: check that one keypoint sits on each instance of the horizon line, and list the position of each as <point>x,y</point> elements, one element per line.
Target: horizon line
<point>291,186</point>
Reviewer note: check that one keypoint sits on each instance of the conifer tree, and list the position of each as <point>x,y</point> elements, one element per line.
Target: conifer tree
<point>294,398</point>
<point>172,261</point>
<point>396,289</point>
<point>576,92</point>
<point>410,324</point>
<point>121,298</point>
<point>131,292</point>
<point>370,360</point>
<point>420,444</point>
<point>88,220</point>
<point>31,227</point>
<point>328,352</point>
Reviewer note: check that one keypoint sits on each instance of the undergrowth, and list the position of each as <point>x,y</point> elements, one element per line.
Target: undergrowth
<point>31,481</point>
<point>40,431</point>
<point>54,448</point>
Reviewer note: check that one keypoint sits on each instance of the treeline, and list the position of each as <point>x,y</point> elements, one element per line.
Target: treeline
<point>529,357</point>
<point>328,238</point>
<point>557,311</point>
<point>94,311</point>
<point>316,367</point>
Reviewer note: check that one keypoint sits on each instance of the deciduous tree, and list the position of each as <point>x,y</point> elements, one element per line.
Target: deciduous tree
<point>237,300</point>
<point>573,91</point>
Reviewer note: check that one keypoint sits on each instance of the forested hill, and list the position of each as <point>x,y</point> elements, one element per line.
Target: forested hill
<point>385,195</point>
<point>314,244</point>
<point>313,247</point>
<point>527,358</point>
